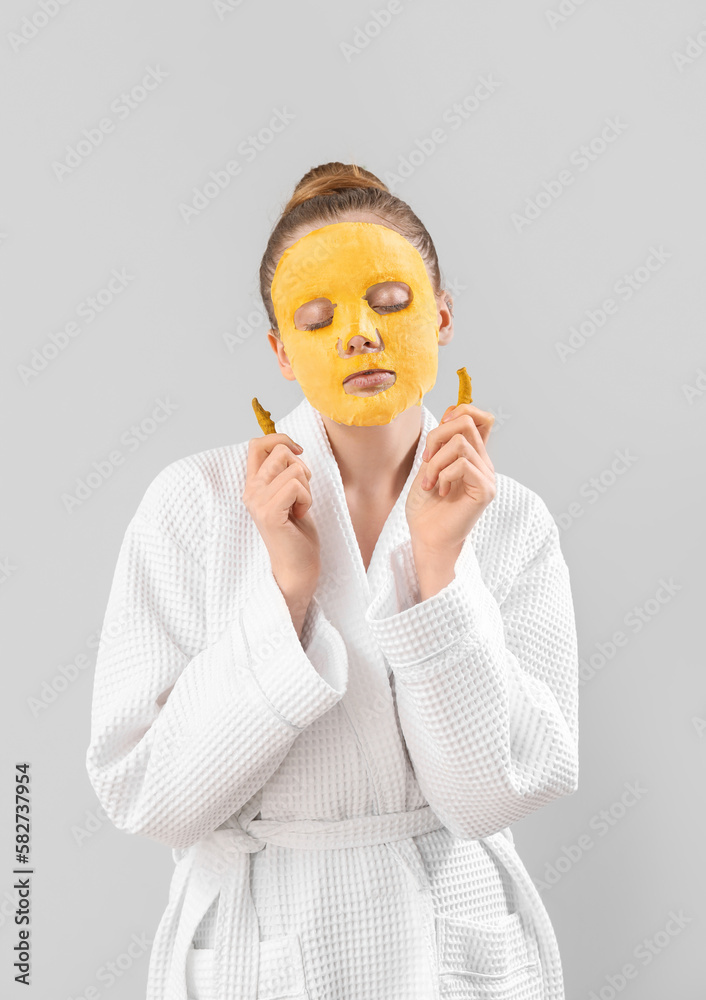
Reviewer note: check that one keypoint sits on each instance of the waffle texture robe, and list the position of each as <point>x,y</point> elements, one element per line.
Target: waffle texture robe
<point>338,808</point>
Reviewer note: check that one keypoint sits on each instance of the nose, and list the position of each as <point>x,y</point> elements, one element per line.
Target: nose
<point>362,336</point>
<point>361,343</point>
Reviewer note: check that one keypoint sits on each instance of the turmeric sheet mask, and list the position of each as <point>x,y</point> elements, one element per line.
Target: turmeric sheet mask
<point>327,274</point>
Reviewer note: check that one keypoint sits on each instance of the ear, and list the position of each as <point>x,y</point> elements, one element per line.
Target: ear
<point>276,345</point>
<point>444,304</point>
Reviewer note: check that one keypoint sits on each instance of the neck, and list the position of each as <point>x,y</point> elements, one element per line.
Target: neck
<point>375,461</point>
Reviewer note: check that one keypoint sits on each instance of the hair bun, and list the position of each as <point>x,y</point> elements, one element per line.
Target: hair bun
<point>328,178</point>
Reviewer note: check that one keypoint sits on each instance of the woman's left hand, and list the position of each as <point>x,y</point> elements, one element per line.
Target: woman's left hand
<point>460,482</point>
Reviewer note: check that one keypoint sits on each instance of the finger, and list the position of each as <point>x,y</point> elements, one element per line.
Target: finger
<point>259,448</point>
<point>279,459</point>
<point>482,418</point>
<point>464,422</point>
<point>292,497</point>
<point>293,471</point>
<point>463,471</point>
<point>457,447</point>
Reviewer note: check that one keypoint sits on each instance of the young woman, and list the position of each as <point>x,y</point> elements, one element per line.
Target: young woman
<point>345,657</point>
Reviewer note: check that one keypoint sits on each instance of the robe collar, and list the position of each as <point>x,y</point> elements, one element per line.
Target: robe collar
<point>339,547</point>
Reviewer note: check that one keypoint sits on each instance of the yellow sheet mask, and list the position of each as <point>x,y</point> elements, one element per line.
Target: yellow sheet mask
<point>329,272</point>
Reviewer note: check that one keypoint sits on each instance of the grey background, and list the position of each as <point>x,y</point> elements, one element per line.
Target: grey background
<point>637,385</point>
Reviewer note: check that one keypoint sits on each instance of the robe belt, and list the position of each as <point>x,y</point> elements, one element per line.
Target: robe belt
<point>218,867</point>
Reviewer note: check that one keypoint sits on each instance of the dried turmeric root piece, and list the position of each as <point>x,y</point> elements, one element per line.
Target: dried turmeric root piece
<point>464,386</point>
<point>267,425</point>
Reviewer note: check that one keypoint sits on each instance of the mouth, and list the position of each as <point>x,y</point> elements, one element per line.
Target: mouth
<point>370,377</point>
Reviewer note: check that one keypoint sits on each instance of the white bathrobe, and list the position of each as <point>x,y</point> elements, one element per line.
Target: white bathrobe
<point>337,807</point>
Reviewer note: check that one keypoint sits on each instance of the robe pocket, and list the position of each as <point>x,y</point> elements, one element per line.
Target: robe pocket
<point>281,971</point>
<point>489,960</point>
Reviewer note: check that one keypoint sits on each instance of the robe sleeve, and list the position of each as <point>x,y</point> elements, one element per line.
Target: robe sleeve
<point>184,733</point>
<point>487,693</point>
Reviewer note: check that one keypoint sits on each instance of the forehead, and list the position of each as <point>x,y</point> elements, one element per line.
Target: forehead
<point>346,257</point>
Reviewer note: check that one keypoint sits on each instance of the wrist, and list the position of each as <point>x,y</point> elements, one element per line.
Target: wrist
<point>297,598</point>
<point>434,567</point>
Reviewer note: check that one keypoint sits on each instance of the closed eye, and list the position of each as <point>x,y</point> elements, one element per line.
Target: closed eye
<point>388,296</point>
<point>319,326</point>
<point>394,307</point>
<point>391,308</point>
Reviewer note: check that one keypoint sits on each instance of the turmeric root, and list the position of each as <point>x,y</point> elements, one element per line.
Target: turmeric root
<point>267,425</point>
<point>464,386</point>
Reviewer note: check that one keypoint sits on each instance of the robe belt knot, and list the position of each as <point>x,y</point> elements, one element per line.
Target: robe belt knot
<point>218,867</point>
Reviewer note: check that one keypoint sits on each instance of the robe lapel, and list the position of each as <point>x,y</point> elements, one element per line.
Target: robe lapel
<point>345,592</point>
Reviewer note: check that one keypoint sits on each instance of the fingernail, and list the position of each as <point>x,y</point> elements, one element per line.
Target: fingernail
<point>299,448</point>
<point>425,455</point>
<point>425,483</point>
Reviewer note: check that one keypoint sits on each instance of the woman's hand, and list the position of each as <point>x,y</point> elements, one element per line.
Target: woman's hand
<point>278,498</point>
<point>460,483</point>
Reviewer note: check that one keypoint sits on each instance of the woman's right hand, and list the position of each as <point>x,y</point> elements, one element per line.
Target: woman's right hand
<point>278,497</point>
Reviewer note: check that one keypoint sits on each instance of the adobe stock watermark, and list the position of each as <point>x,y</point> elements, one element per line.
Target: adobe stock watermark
<point>363,36</point>
<point>220,178</point>
<point>7,569</point>
<point>696,391</point>
<point>625,288</point>
<point>32,24</point>
<point>644,953</point>
<point>223,7</point>
<point>695,46</point>
<point>634,621</point>
<point>87,311</point>
<point>133,438</point>
<point>596,487</point>
<point>454,117</point>
<point>127,102</point>
<point>699,724</point>
<point>581,158</point>
<point>600,824</point>
<point>244,327</point>
<point>112,971</point>
<point>562,12</point>
<point>93,821</point>
<point>67,674</point>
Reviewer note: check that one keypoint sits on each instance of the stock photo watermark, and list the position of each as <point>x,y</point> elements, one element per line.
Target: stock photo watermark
<point>220,179</point>
<point>581,158</point>
<point>133,438</point>
<point>112,971</point>
<point>364,34</point>
<point>600,824</point>
<point>122,107</point>
<point>696,391</point>
<point>87,310</point>
<point>634,620</point>
<point>597,318</point>
<point>694,48</point>
<point>454,117</point>
<point>645,953</point>
<point>223,7</point>
<point>31,24</point>
<point>556,16</point>
<point>596,487</point>
<point>67,673</point>
<point>7,569</point>
<point>93,821</point>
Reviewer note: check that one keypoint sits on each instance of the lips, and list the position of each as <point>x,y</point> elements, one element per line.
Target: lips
<point>368,371</point>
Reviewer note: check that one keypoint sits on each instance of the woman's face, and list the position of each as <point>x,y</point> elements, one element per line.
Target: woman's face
<point>350,297</point>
